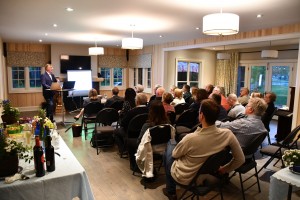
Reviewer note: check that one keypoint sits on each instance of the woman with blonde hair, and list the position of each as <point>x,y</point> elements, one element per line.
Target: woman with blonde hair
<point>93,96</point>
<point>178,98</point>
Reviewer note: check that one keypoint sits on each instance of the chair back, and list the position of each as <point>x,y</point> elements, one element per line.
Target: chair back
<point>107,116</point>
<point>213,163</point>
<point>179,108</point>
<point>290,137</point>
<point>172,116</point>
<point>188,118</point>
<point>117,105</point>
<point>160,134</point>
<point>135,125</point>
<point>254,144</point>
<point>91,109</point>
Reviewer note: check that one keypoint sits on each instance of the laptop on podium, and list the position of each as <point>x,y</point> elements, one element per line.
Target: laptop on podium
<point>68,85</point>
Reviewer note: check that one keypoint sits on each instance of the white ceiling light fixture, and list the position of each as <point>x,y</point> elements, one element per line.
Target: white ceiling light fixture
<point>221,24</point>
<point>269,53</point>
<point>223,56</point>
<point>96,50</point>
<point>132,43</point>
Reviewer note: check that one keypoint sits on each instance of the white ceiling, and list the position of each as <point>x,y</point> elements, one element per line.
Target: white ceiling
<point>108,21</point>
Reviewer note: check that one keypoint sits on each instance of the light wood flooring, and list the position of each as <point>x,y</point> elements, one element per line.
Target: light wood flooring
<point>111,178</point>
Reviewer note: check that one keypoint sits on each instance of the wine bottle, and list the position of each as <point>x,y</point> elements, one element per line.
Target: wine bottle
<point>38,155</point>
<point>49,152</point>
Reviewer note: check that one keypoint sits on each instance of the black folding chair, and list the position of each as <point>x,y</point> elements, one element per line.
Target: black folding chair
<point>276,150</point>
<point>179,108</point>
<point>210,166</point>
<point>89,114</point>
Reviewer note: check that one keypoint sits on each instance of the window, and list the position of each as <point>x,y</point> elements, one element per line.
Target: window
<point>188,73</point>
<point>110,81</point>
<point>262,77</point>
<point>24,79</point>
<point>142,76</point>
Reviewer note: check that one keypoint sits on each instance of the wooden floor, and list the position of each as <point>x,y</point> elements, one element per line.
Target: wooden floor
<point>111,178</point>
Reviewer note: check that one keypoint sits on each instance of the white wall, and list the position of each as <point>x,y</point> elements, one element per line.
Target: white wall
<point>69,49</point>
<point>208,59</point>
<point>3,79</point>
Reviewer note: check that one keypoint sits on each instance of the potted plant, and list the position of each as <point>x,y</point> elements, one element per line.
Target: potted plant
<point>10,114</point>
<point>292,158</point>
<point>10,152</point>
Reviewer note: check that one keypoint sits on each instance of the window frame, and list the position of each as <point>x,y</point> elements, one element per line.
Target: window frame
<point>27,88</point>
<point>145,76</point>
<point>111,85</point>
<point>188,70</point>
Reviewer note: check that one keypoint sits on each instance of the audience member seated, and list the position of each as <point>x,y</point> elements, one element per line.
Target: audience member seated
<point>194,93</point>
<point>182,161</point>
<point>141,108</point>
<point>157,116</point>
<point>245,129</point>
<point>172,89</point>
<point>270,98</point>
<point>167,98</point>
<point>186,93</point>
<point>158,96</point>
<point>236,110</point>
<point>178,98</point>
<point>244,96</point>
<point>129,102</point>
<point>223,113</point>
<point>154,92</point>
<point>209,88</point>
<point>115,97</point>
<point>198,95</point>
<point>139,88</point>
<point>217,90</point>
<point>256,95</point>
<point>93,96</point>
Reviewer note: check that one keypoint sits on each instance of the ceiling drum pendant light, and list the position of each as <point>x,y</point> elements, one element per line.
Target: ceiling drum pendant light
<point>223,56</point>
<point>221,24</point>
<point>132,43</point>
<point>96,50</point>
<point>269,53</point>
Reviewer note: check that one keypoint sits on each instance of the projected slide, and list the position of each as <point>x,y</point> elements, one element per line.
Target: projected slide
<point>83,79</point>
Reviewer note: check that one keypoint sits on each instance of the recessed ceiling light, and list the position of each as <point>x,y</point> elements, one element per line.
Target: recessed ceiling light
<point>54,25</point>
<point>46,34</point>
<point>69,9</point>
<point>40,40</point>
<point>161,36</point>
<point>259,16</point>
<point>197,28</point>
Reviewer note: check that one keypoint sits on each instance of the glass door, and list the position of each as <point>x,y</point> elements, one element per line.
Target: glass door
<point>258,78</point>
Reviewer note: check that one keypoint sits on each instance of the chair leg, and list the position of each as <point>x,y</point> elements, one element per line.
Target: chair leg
<point>242,186</point>
<point>257,179</point>
<point>269,139</point>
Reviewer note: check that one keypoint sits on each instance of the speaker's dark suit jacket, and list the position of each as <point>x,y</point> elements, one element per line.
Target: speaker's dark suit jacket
<point>46,83</point>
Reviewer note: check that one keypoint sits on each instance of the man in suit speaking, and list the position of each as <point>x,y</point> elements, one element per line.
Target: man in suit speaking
<point>47,78</point>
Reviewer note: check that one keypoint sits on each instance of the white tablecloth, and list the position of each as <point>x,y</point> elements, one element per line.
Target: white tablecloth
<point>279,184</point>
<point>69,180</point>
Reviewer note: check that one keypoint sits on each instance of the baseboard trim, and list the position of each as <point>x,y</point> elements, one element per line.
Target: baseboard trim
<point>29,108</point>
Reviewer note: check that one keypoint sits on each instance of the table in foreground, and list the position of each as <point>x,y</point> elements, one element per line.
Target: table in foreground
<point>68,181</point>
<point>282,183</point>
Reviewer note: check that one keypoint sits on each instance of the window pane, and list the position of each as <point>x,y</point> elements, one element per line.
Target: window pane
<point>18,78</point>
<point>34,77</point>
<point>105,72</point>
<point>118,76</point>
<point>148,77</point>
<point>280,84</point>
<point>194,71</point>
<point>182,71</point>
<point>134,76</point>
<point>240,78</point>
<point>194,84</point>
<point>258,79</point>
<point>140,76</point>
<point>180,84</point>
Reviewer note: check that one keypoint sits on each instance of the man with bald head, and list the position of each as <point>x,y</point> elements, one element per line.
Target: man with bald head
<point>236,109</point>
<point>158,95</point>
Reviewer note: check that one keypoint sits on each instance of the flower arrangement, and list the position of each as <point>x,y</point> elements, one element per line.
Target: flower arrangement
<point>40,122</point>
<point>10,147</point>
<point>9,110</point>
<point>291,157</point>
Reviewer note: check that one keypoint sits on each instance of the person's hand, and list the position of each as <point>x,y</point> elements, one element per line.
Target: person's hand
<point>221,170</point>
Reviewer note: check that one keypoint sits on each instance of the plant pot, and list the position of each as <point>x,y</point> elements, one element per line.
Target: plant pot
<point>9,165</point>
<point>9,119</point>
<point>296,168</point>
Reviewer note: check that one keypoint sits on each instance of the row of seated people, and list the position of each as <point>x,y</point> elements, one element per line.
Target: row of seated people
<point>244,129</point>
